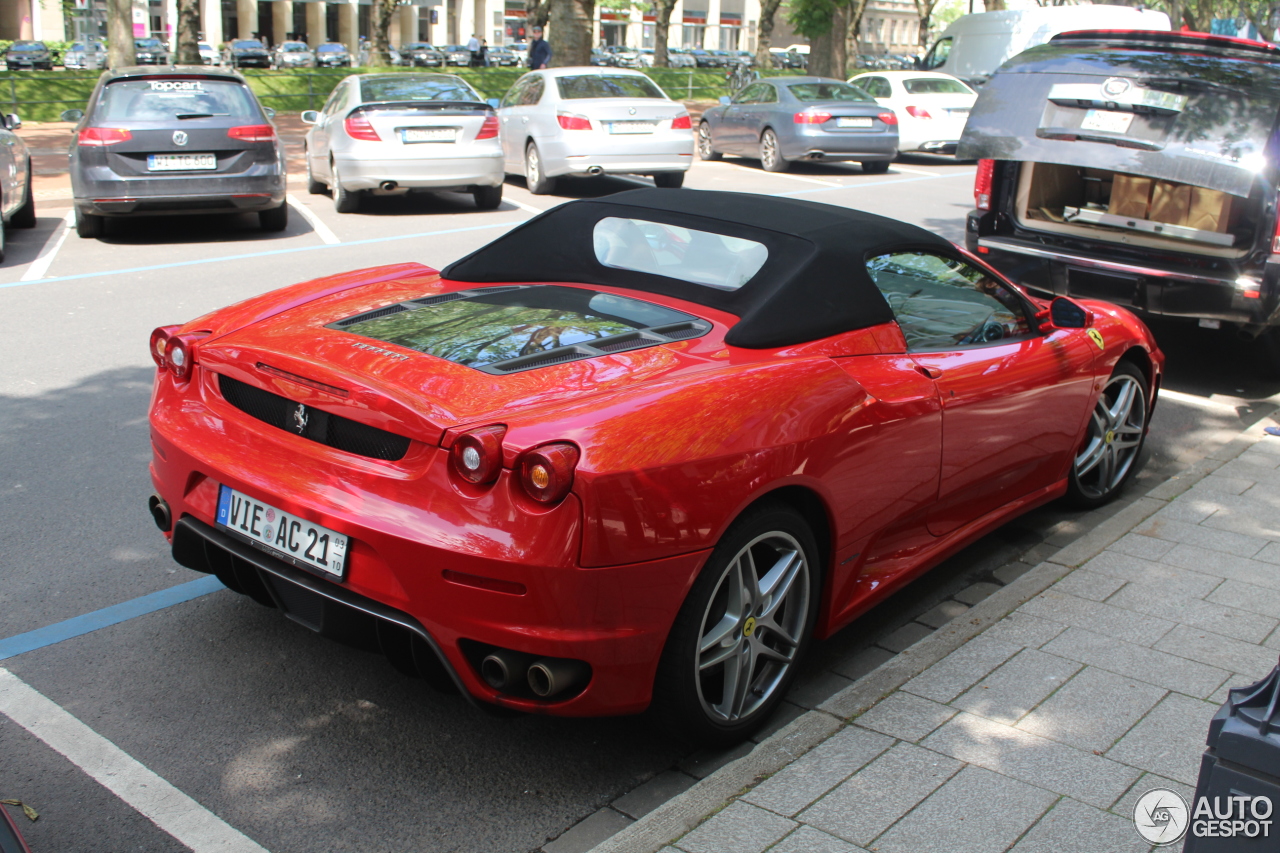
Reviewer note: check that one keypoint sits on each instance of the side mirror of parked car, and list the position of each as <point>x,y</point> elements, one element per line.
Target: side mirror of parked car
<point>12,121</point>
<point>309,117</point>
<point>1065,314</point>
<point>71,115</point>
<point>724,100</point>
<point>493,102</point>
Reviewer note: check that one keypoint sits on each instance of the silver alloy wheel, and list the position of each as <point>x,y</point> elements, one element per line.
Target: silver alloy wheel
<point>705,151</point>
<point>532,166</point>
<point>1114,437</point>
<point>768,150</point>
<point>752,627</point>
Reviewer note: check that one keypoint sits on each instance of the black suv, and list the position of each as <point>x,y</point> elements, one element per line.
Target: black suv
<point>1140,168</point>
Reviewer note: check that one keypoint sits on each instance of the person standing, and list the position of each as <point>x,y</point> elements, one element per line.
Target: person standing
<point>484,53</point>
<point>539,51</point>
<point>473,47</point>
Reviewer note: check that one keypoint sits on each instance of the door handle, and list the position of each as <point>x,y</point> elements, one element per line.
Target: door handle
<point>930,372</point>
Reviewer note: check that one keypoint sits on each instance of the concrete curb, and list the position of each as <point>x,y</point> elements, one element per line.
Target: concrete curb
<point>684,812</point>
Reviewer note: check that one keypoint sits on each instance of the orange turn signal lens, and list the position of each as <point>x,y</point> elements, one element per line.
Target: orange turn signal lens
<point>546,472</point>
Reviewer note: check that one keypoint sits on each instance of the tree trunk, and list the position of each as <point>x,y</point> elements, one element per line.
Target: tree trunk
<point>995,5</point>
<point>383,12</point>
<point>764,37</point>
<point>571,24</point>
<point>536,14</point>
<point>120,50</point>
<point>188,34</point>
<point>924,8</point>
<point>828,55</point>
<point>854,30</point>
<point>661,29</point>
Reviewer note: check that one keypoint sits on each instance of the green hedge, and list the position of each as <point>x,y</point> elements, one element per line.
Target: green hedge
<point>42,96</point>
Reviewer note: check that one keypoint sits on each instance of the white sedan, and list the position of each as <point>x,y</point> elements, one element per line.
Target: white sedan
<point>593,121</point>
<point>932,108</point>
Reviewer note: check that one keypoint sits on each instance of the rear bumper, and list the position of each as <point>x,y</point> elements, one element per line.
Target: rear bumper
<point>665,151</point>
<point>100,190</point>
<point>442,173</point>
<point>179,204</point>
<point>840,146</point>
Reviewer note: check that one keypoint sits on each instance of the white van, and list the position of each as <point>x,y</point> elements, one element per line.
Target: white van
<point>974,46</point>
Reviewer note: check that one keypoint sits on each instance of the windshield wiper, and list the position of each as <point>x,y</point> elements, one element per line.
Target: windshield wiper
<point>181,116</point>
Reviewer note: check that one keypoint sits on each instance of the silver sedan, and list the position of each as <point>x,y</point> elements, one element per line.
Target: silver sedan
<point>17,208</point>
<point>593,121</point>
<point>396,133</point>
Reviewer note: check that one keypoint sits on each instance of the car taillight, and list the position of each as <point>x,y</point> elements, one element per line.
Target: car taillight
<point>918,112</point>
<point>572,121</point>
<point>358,127</point>
<point>546,472</point>
<point>682,123</point>
<point>888,118</point>
<point>477,455</point>
<point>252,132</point>
<point>811,117</point>
<point>159,342</point>
<point>95,136</point>
<point>489,129</point>
<point>982,184</point>
<point>175,353</point>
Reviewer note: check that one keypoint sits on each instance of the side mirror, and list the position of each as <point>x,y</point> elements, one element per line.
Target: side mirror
<point>270,112</point>
<point>1064,314</point>
<point>309,117</point>
<point>493,102</point>
<point>12,121</point>
<point>725,101</point>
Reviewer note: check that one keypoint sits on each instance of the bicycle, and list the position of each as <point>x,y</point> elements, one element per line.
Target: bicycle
<point>741,77</point>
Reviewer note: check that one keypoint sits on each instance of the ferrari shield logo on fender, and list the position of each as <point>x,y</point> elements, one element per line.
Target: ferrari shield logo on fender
<point>179,137</point>
<point>1096,337</point>
<point>300,419</point>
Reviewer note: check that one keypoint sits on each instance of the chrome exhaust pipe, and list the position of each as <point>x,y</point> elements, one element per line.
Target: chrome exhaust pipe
<point>550,676</point>
<point>595,171</point>
<point>387,186</point>
<point>502,669</point>
<point>160,512</point>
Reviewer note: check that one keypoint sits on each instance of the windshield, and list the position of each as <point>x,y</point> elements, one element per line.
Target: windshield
<point>417,88</point>
<point>607,86</point>
<point>416,46</point>
<point>248,44</point>
<point>935,86</point>
<point>165,100</point>
<point>25,46</point>
<point>331,48</point>
<point>815,92</point>
<point>148,44</point>
<point>293,47</point>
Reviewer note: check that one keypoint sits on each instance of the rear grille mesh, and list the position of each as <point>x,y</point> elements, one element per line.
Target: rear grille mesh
<point>331,430</point>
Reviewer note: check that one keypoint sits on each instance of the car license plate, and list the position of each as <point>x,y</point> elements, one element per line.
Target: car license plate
<point>846,121</point>
<point>633,126</point>
<point>428,134</point>
<point>181,162</point>
<point>1106,121</point>
<point>295,540</point>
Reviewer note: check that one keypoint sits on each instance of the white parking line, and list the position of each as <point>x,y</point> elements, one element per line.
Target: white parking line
<point>40,265</point>
<point>898,168</point>
<point>322,230</point>
<point>1193,400</point>
<point>527,207</point>
<point>118,772</point>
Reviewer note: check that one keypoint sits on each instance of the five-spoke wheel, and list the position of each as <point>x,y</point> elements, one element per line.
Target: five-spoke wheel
<point>1108,456</point>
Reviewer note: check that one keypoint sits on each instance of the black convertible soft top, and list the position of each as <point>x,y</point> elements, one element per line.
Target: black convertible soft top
<point>814,283</point>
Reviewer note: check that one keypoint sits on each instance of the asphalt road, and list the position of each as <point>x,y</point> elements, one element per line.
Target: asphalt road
<point>297,742</point>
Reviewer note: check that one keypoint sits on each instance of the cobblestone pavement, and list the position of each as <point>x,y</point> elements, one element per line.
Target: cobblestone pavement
<point>1034,722</point>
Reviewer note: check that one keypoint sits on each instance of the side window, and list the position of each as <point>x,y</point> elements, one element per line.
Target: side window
<point>942,303</point>
<point>533,93</point>
<point>335,99</point>
<point>769,95</point>
<point>751,95</point>
<point>515,93</point>
<point>877,87</point>
<point>937,56</point>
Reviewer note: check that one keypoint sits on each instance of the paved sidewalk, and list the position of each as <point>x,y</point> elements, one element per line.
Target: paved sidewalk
<point>1034,722</point>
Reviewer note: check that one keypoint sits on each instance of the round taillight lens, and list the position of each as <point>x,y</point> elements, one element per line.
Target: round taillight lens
<point>159,343</point>
<point>477,455</point>
<point>180,354</point>
<point>546,472</point>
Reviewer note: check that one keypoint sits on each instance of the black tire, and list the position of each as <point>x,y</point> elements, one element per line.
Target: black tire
<point>539,183</point>
<point>487,198</point>
<point>275,219</point>
<point>89,225</point>
<point>875,167</point>
<point>705,149</point>
<point>1267,353</point>
<point>668,180</point>
<point>314,187</point>
<point>2,240</point>
<point>25,216</point>
<point>344,200</point>
<point>687,689</point>
<point>771,159</point>
<point>1110,451</point>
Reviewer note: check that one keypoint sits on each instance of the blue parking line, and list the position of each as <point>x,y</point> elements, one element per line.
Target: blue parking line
<point>115,614</point>
<point>252,255</point>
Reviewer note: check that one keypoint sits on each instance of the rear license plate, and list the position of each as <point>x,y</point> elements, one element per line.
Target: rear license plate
<point>428,134</point>
<point>294,540</point>
<point>181,162</point>
<point>1106,121</point>
<point>853,122</point>
<point>633,126</point>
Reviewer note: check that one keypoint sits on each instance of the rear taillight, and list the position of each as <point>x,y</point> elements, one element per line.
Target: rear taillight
<point>95,136</point>
<point>682,123</point>
<point>175,353</point>
<point>571,121</point>
<point>358,127</point>
<point>489,129</point>
<point>252,132</point>
<point>477,455</point>
<point>159,343</point>
<point>918,112</point>
<point>1275,241</point>
<point>888,118</point>
<point>982,184</point>
<point>546,472</point>
<point>811,117</point>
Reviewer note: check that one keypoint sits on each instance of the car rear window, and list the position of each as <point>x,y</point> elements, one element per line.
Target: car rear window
<point>698,257</point>
<point>158,99</point>
<point>607,86</point>
<point>935,86</point>
<point>814,92</point>
<point>418,45</point>
<point>417,88</point>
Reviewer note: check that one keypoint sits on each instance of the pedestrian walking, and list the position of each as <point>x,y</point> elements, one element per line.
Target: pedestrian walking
<point>539,51</point>
<point>473,46</point>
<point>484,53</point>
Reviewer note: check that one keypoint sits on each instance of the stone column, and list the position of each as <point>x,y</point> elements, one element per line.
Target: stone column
<point>170,26</point>
<point>408,16</point>
<point>247,15</point>
<point>316,34</point>
<point>211,22</point>
<point>349,29</point>
<point>281,19</point>
<point>711,37</point>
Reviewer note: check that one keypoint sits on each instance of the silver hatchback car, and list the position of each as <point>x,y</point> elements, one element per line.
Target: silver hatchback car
<point>395,133</point>
<point>593,121</point>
